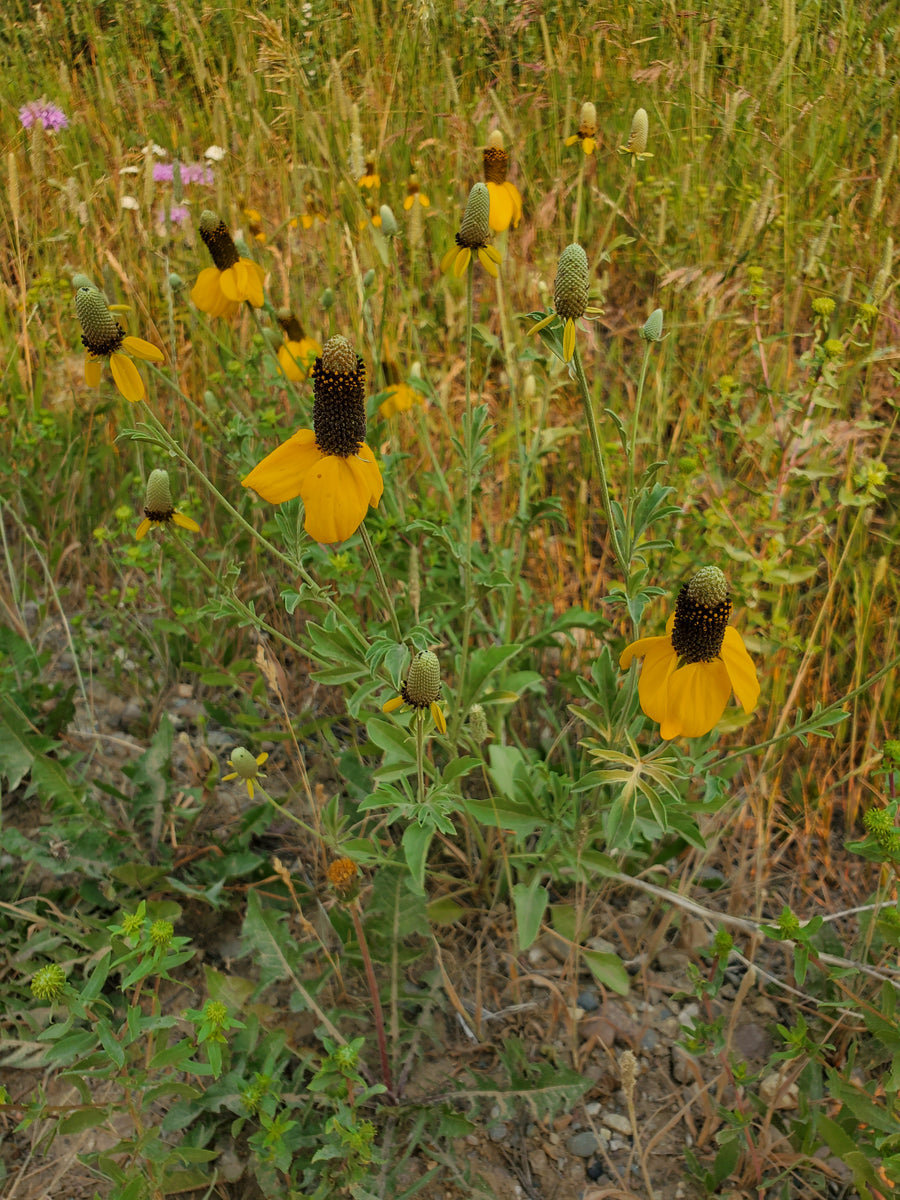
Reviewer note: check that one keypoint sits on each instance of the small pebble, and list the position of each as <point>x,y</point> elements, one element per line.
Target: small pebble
<point>583,1144</point>
<point>498,1132</point>
<point>588,1000</point>
<point>619,1123</point>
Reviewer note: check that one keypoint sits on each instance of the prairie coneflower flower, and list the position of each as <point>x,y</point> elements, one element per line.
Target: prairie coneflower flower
<point>245,766</point>
<point>329,467</point>
<point>587,129</point>
<point>104,337</point>
<point>370,177</point>
<point>299,352</point>
<point>413,194</point>
<point>399,395</point>
<point>636,145</point>
<point>506,203</point>
<point>473,236</point>
<point>221,289</point>
<point>689,673</point>
<point>343,875</point>
<point>158,506</point>
<point>422,689</point>
<point>570,296</point>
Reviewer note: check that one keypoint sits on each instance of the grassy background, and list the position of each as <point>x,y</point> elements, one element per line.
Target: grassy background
<point>772,185</point>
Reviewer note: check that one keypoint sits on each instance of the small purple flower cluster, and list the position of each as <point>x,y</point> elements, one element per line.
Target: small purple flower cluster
<point>190,173</point>
<point>178,214</point>
<point>48,114</point>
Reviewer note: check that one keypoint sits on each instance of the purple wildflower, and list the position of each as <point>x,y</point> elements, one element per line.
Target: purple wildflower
<point>190,173</point>
<point>48,114</point>
<point>178,214</point>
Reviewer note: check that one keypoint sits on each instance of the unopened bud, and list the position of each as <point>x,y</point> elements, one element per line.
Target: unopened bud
<point>389,226</point>
<point>709,586</point>
<point>651,330</point>
<point>475,229</point>
<point>97,322</point>
<point>478,726</point>
<point>570,294</point>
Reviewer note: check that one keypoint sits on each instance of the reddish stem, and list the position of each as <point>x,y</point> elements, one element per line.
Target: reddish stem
<point>373,992</point>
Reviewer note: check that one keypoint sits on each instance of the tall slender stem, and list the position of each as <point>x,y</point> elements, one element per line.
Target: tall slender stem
<point>420,753</point>
<point>380,580</point>
<point>377,1011</point>
<point>468,484</point>
<point>600,461</point>
<point>632,446</point>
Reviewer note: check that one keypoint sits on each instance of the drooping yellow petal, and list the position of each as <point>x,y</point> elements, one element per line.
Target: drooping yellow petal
<point>141,349</point>
<point>488,261</point>
<point>570,141</point>
<point>438,714</point>
<point>639,648</point>
<point>254,280</point>
<point>569,340</point>
<point>185,522</point>
<point>588,145</point>
<point>697,695</point>
<point>336,499</point>
<point>408,202</point>
<point>463,258</point>
<point>740,668</point>
<point>501,211</point>
<point>543,324</point>
<point>143,529</point>
<point>366,470</point>
<point>278,477</point>
<point>127,377</point>
<point>448,259</point>
<point>659,664</point>
<point>206,292</point>
<point>297,358</point>
<point>393,705</point>
<point>231,282</point>
<point>516,199</point>
<point>423,200</point>
<point>91,370</point>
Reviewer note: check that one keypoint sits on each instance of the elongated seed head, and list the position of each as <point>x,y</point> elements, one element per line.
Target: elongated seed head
<point>475,229</point>
<point>651,330</point>
<point>423,684</point>
<point>637,139</point>
<point>98,325</point>
<point>709,586</point>
<point>570,293</point>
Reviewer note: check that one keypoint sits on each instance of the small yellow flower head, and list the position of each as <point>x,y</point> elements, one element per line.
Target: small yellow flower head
<point>475,229</point>
<point>343,876</point>
<point>245,766</point>
<point>389,226</point>
<point>823,306</point>
<point>755,274</point>
<point>867,313</point>
<point>834,348</point>
<point>637,139</point>
<point>651,330</point>
<point>159,508</point>
<point>422,688</point>
<point>413,194</point>
<point>587,129</point>
<point>218,240</point>
<point>161,933</point>
<point>370,178</point>
<point>48,983</point>
<point>103,337</point>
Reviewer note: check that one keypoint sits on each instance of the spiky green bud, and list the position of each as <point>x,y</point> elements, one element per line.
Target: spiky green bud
<point>478,726</point>
<point>651,330</point>
<point>48,982</point>
<point>80,280</point>
<point>709,586</point>
<point>161,933</point>
<point>637,139</point>
<point>570,292</point>
<point>475,230</point>
<point>215,1012</point>
<point>423,684</point>
<point>834,348</point>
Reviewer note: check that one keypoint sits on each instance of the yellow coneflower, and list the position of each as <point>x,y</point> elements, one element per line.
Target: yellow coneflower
<point>422,689</point>
<point>636,145</point>
<point>245,767</point>
<point>103,337</point>
<point>159,508</point>
<point>329,466</point>
<point>221,289</point>
<point>587,129</point>
<point>506,203</point>
<point>473,236</point>
<point>370,177</point>
<point>254,225</point>
<point>570,296</point>
<point>413,194</point>
<point>299,352</point>
<point>688,674</point>
<point>399,395</point>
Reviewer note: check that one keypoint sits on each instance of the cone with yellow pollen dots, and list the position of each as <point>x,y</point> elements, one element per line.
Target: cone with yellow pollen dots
<point>329,467</point>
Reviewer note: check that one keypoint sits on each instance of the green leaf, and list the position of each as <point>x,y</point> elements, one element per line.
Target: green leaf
<point>84,1118</point>
<point>609,970</point>
<point>416,840</point>
<point>530,902</point>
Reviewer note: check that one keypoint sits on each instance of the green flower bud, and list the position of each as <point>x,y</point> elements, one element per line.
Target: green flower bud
<point>80,280</point>
<point>158,496</point>
<point>823,306</point>
<point>651,330</point>
<point>48,983</point>
<point>478,726</point>
<point>244,763</point>
<point>389,226</point>
<point>423,684</point>
<point>161,933</point>
<point>570,293</point>
<point>475,230</point>
<point>637,139</point>
<point>176,283</point>
<point>215,1012</point>
<point>834,348</point>
<point>97,322</point>
<point>327,298</point>
<point>708,587</point>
